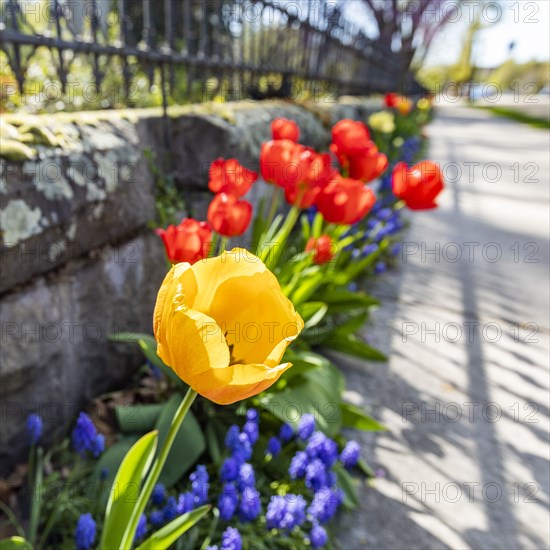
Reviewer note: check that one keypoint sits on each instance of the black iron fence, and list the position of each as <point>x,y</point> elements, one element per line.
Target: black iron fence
<point>187,50</point>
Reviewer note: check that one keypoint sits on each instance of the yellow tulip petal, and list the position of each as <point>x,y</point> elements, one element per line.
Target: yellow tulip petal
<point>268,322</point>
<point>276,354</point>
<point>227,279</point>
<point>166,294</point>
<point>192,343</point>
<point>237,382</point>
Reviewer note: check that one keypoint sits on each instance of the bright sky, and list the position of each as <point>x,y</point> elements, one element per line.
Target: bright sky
<point>525,22</point>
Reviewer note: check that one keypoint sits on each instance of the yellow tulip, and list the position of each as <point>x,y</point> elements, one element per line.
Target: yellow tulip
<point>223,325</point>
<point>383,121</point>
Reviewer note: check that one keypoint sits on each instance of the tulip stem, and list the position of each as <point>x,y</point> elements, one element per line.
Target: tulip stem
<point>282,236</point>
<point>154,473</point>
<point>214,244</point>
<point>223,244</point>
<point>275,198</point>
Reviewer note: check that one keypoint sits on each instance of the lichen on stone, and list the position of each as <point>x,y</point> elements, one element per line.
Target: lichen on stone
<point>94,192</point>
<point>49,179</point>
<point>19,221</point>
<point>100,138</point>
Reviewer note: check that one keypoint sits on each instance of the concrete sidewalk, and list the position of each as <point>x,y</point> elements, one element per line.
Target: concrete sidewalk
<point>465,320</point>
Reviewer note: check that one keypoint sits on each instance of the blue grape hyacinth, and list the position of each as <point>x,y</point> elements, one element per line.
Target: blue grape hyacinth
<point>276,510</point>
<point>298,465</point>
<point>158,496</point>
<point>250,505</point>
<point>231,539</point>
<point>274,446</point>
<point>156,518</point>
<point>228,501</point>
<point>369,249</point>
<point>286,433</point>
<point>396,249</point>
<point>230,469</point>
<point>85,532</point>
<point>252,431</point>
<point>286,512</point>
<point>200,485</point>
<point>232,437</point>
<point>34,428</point>
<point>141,528</point>
<point>318,536</point>
<point>322,447</point>
<point>350,455</point>
<point>186,502</point>
<point>325,503</point>
<point>316,475</point>
<point>380,268</point>
<point>252,415</point>
<point>306,426</point>
<point>170,510</point>
<point>240,447</point>
<point>85,438</point>
<point>247,477</point>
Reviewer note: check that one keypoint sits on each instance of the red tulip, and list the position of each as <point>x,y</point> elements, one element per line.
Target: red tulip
<point>368,165</point>
<point>391,99</point>
<point>399,102</point>
<point>187,242</point>
<point>322,247</point>
<point>228,215</point>
<point>350,137</point>
<point>282,128</point>
<point>312,172</point>
<point>345,200</point>
<point>279,161</point>
<point>417,186</point>
<point>229,176</point>
<point>355,151</point>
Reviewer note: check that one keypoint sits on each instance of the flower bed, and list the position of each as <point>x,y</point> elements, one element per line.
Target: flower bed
<point>231,434</point>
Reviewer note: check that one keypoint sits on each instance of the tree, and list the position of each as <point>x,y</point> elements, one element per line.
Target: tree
<point>409,26</point>
<point>463,70</point>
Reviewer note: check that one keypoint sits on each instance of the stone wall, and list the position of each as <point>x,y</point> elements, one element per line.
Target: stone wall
<point>78,258</point>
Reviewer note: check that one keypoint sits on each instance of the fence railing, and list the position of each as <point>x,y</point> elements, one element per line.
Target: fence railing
<point>187,50</point>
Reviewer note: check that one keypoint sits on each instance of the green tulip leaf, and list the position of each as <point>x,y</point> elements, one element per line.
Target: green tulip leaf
<point>170,533</point>
<point>308,287</point>
<point>353,346</point>
<point>353,324</point>
<point>137,418</point>
<point>111,460</point>
<point>346,482</point>
<point>312,313</point>
<point>125,489</point>
<point>344,301</point>
<point>354,417</point>
<point>317,391</point>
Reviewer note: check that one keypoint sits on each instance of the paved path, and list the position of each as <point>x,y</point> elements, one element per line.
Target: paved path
<point>466,392</point>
